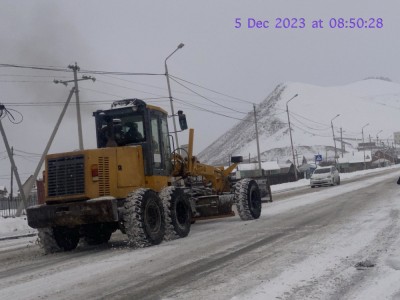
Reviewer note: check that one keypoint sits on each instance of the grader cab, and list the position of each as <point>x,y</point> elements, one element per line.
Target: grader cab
<point>134,182</point>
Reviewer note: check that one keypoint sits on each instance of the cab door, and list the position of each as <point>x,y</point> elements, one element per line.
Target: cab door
<point>160,148</point>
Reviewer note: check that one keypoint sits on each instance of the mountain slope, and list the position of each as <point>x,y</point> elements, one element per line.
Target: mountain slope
<point>372,101</point>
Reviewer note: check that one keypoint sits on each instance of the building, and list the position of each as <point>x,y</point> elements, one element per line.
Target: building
<point>3,191</point>
<point>355,161</point>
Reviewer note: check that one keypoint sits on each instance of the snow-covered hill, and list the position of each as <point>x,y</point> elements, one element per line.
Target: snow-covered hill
<point>373,101</point>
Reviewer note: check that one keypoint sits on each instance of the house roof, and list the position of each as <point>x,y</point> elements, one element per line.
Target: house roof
<point>355,157</point>
<point>265,165</point>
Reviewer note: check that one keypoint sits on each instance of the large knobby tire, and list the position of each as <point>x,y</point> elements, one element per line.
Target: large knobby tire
<point>248,199</point>
<point>143,218</point>
<point>55,239</point>
<point>67,238</point>
<point>178,214</point>
<point>47,240</point>
<point>96,234</point>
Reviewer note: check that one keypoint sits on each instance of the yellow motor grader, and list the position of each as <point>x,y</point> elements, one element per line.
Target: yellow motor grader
<point>135,183</point>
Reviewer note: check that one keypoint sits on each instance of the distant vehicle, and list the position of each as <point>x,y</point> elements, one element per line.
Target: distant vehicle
<point>328,175</point>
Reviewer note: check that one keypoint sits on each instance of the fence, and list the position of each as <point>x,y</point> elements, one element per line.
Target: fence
<point>9,206</point>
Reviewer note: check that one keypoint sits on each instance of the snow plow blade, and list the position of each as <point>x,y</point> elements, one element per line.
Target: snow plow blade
<point>72,214</point>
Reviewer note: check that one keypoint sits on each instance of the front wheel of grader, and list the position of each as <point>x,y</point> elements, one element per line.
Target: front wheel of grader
<point>178,214</point>
<point>143,218</point>
<point>248,199</point>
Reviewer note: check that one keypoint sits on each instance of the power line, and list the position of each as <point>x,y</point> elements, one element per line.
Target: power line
<point>30,153</point>
<point>309,127</point>
<point>208,98</point>
<point>60,69</point>
<point>129,88</point>
<point>32,67</point>
<point>33,76</point>
<point>219,93</point>
<point>24,81</point>
<point>207,110</point>
<point>312,133</point>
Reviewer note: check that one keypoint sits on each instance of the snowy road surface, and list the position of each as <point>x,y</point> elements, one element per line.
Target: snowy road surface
<point>339,242</point>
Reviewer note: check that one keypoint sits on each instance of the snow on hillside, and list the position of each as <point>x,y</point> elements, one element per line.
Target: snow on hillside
<point>372,101</point>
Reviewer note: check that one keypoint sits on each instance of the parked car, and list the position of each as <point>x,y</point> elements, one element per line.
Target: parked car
<point>328,175</point>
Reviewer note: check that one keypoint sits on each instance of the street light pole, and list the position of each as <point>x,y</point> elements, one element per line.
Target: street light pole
<point>377,138</point>
<point>377,148</point>
<point>258,143</point>
<point>334,141</point>
<point>290,133</point>
<point>170,94</point>
<point>362,132</point>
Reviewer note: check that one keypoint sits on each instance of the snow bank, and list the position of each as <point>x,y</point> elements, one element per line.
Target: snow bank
<point>10,227</point>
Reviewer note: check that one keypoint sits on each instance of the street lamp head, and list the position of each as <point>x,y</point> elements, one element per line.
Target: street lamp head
<point>181,45</point>
<point>335,117</point>
<point>291,99</point>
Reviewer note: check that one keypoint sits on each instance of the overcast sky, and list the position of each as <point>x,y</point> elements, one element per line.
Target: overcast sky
<point>136,36</point>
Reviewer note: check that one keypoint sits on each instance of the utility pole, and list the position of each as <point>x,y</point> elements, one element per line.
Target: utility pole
<point>258,143</point>
<point>362,132</point>
<point>75,68</point>
<point>334,141</point>
<point>30,182</point>
<point>290,133</point>
<point>13,165</point>
<point>297,158</point>
<point>11,186</point>
<point>341,141</point>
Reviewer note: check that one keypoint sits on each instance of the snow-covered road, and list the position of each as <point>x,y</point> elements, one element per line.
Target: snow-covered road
<point>328,243</point>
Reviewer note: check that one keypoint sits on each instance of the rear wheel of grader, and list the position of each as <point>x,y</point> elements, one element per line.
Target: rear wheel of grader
<point>96,234</point>
<point>178,214</point>
<point>54,239</point>
<point>47,240</point>
<point>248,199</point>
<point>66,238</point>
<point>143,218</point>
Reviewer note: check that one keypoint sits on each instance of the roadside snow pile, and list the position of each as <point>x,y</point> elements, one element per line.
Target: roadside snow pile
<point>10,227</point>
<point>306,182</point>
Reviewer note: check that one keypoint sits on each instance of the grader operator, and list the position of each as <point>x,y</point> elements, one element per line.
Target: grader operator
<point>135,183</point>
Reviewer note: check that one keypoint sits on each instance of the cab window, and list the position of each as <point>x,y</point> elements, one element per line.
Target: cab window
<point>155,141</point>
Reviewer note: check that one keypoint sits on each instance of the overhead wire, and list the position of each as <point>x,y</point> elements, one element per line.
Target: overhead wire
<point>211,90</point>
<point>207,110</point>
<point>60,69</point>
<point>112,74</point>
<point>304,130</point>
<point>208,98</point>
<point>307,126</point>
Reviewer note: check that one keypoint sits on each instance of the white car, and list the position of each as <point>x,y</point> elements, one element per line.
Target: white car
<point>328,175</point>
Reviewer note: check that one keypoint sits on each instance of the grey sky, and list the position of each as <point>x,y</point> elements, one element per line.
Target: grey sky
<point>136,36</point>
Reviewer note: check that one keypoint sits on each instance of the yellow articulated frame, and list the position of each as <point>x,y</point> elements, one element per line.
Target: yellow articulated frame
<point>217,176</point>
<point>157,183</point>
